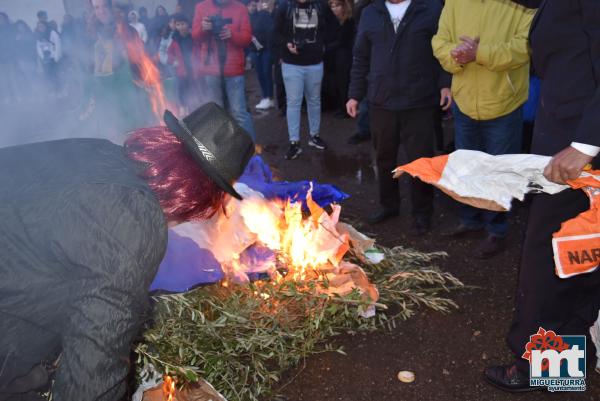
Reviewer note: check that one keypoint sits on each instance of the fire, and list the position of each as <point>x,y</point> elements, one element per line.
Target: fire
<point>148,73</point>
<point>303,245</point>
<point>168,388</point>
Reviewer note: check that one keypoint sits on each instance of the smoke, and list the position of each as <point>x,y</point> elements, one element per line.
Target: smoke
<point>92,92</point>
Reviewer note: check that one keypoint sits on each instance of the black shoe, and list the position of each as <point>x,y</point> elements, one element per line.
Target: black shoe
<point>317,142</point>
<point>294,151</point>
<point>460,231</point>
<point>382,215</point>
<point>491,246</point>
<point>358,138</point>
<point>420,226</point>
<point>508,378</point>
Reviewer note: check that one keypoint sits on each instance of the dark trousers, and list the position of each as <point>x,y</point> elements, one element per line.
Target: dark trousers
<point>263,63</point>
<point>279,87</point>
<point>499,136</point>
<point>362,121</point>
<point>567,306</point>
<point>414,130</point>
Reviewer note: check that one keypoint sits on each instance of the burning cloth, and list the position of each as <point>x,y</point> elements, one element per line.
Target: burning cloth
<point>195,252</point>
<point>492,182</point>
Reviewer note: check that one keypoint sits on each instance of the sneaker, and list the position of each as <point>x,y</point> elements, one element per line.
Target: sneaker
<point>265,104</point>
<point>317,142</point>
<point>294,151</point>
<point>262,105</point>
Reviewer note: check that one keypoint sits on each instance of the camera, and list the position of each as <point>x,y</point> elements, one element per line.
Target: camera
<point>218,23</point>
<point>300,44</point>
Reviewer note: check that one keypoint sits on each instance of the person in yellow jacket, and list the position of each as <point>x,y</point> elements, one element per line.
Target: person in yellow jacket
<point>483,44</point>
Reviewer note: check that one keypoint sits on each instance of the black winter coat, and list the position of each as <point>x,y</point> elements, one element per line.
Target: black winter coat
<point>397,70</point>
<point>81,238</point>
<point>565,43</point>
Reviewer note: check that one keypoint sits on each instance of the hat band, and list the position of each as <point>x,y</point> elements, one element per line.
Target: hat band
<point>205,152</point>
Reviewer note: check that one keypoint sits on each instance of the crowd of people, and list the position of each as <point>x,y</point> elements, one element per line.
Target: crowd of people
<point>396,65</point>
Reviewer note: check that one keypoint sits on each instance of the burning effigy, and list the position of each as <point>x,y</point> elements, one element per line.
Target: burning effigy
<point>280,274</point>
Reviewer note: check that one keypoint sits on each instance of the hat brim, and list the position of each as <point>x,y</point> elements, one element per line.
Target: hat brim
<point>183,133</point>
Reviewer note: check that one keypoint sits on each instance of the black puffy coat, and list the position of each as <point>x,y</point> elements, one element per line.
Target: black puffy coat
<point>397,70</point>
<point>81,238</point>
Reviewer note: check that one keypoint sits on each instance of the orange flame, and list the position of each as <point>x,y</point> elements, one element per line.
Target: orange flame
<point>148,74</point>
<point>306,246</point>
<point>168,388</point>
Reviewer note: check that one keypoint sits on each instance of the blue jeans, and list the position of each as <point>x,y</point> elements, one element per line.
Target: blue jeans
<point>263,62</point>
<point>235,90</point>
<point>362,120</point>
<point>499,136</point>
<point>303,81</point>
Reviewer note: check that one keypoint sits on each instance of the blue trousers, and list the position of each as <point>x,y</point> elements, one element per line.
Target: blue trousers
<point>303,81</point>
<point>263,63</point>
<point>499,136</point>
<point>235,90</point>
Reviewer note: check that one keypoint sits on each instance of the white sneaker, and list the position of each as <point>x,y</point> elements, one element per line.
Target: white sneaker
<point>265,104</point>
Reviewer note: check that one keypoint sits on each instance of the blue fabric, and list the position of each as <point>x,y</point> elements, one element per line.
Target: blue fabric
<point>303,81</point>
<point>530,107</point>
<point>235,90</point>
<point>258,177</point>
<point>498,136</point>
<point>186,266</point>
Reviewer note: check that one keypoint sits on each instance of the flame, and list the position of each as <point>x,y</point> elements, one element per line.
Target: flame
<point>168,388</point>
<point>148,74</point>
<point>305,246</point>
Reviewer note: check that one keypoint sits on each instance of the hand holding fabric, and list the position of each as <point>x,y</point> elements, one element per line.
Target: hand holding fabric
<point>566,165</point>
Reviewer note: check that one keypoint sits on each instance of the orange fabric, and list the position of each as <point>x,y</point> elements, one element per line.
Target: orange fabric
<point>427,169</point>
<point>577,244</point>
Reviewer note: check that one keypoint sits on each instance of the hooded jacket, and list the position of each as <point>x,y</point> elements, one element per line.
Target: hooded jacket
<point>497,82</point>
<point>81,238</point>
<point>397,70</point>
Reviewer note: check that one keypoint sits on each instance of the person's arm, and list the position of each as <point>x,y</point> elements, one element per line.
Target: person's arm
<point>241,33</point>
<point>111,246</point>
<point>144,33</point>
<point>570,162</point>
<point>197,32</point>
<point>444,41</point>
<point>587,132</point>
<point>328,27</point>
<point>507,55</point>
<point>279,30</point>
<point>361,61</point>
<point>57,45</point>
<point>173,54</point>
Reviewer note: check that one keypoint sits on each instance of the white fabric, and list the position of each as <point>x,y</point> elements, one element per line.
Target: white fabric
<point>397,12</point>
<point>53,47</point>
<point>475,174</point>
<point>589,150</point>
<point>141,30</point>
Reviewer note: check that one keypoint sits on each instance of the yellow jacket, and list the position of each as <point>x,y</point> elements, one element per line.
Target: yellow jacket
<point>497,82</point>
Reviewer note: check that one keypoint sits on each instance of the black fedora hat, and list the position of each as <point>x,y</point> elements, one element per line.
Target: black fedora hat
<point>220,146</point>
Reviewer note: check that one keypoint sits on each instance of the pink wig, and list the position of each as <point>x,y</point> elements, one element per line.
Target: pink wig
<point>184,191</point>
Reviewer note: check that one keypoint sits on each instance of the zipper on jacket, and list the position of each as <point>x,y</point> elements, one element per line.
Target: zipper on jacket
<point>510,83</point>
